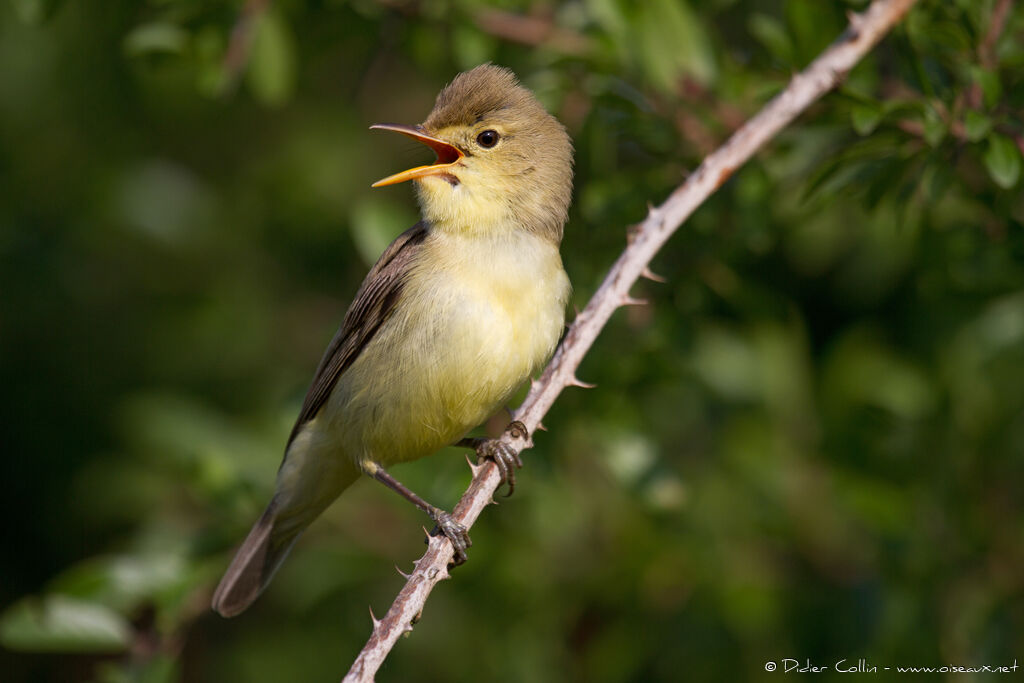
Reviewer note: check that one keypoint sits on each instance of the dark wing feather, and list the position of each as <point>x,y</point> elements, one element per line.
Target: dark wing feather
<point>374,302</point>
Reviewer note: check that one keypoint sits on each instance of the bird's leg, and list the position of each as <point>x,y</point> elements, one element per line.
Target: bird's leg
<point>503,455</point>
<point>447,525</point>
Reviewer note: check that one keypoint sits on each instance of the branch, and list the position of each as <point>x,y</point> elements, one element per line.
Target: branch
<point>531,30</point>
<point>987,48</point>
<point>996,24</point>
<point>645,239</point>
<point>236,59</point>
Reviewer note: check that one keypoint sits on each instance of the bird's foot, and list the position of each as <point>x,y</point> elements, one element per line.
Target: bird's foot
<point>454,532</point>
<point>446,524</point>
<point>504,456</point>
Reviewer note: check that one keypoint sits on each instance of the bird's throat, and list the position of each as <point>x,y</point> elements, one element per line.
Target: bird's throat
<point>461,207</point>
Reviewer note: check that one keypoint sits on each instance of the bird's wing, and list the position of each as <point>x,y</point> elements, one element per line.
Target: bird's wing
<point>374,302</point>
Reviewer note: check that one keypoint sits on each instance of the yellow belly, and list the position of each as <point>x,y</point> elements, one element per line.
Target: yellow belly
<point>477,317</point>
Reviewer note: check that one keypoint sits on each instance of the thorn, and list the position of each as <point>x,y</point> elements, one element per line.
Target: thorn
<point>443,574</point>
<point>651,275</point>
<point>374,619</point>
<point>407,630</point>
<point>427,534</point>
<point>403,574</point>
<point>654,214</point>
<point>474,467</point>
<point>632,301</point>
<point>540,426</point>
<point>856,20</point>
<point>575,381</point>
<point>632,233</point>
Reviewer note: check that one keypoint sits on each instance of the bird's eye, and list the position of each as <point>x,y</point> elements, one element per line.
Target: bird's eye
<point>487,139</point>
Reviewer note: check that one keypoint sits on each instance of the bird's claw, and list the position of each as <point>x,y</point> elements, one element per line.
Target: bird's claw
<point>504,456</point>
<point>454,532</point>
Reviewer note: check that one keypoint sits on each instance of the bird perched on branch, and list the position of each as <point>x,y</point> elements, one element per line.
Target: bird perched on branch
<point>458,312</point>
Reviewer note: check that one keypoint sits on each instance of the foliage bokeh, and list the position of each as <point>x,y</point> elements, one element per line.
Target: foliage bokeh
<point>810,444</point>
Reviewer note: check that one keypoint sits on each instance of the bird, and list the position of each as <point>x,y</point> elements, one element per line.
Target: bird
<point>458,312</point>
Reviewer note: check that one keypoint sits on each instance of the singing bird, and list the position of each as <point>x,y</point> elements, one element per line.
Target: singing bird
<point>456,314</point>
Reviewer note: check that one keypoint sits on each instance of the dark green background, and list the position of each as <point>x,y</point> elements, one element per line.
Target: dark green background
<point>809,445</point>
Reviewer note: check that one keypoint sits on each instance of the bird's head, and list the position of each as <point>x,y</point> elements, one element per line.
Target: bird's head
<point>503,162</point>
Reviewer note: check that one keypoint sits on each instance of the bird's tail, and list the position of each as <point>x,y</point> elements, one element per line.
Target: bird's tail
<point>255,563</point>
<point>270,539</point>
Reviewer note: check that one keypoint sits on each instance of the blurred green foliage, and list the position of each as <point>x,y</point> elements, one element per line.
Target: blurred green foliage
<point>810,445</point>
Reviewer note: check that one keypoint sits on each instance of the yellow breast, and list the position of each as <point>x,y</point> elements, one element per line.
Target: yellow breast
<point>478,315</point>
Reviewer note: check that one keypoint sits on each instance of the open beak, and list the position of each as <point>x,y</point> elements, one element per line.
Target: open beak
<point>447,155</point>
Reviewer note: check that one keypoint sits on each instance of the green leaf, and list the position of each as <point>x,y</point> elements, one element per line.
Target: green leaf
<point>272,63</point>
<point>672,43</point>
<point>208,46</point>
<point>58,623</point>
<point>472,47</point>
<point>770,32</point>
<point>884,179</point>
<point>1002,159</point>
<point>812,25</point>
<point>156,37</point>
<point>991,87</point>
<point>863,370</point>
<point>122,581</point>
<point>976,125</point>
<point>34,12</point>
<point>936,179</point>
<point>865,118</point>
<point>845,166</point>
<point>949,35</point>
<point>935,129</point>
<point>727,362</point>
<point>610,17</point>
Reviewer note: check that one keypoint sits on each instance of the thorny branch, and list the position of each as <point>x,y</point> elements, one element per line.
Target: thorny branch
<point>645,239</point>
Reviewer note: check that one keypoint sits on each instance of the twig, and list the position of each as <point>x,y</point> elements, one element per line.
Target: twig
<point>987,48</point>
<point>645,240</point>
<point>996,24</point>
<point>236,58</point>
<point>956,128</point>
<point>531,30</point>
